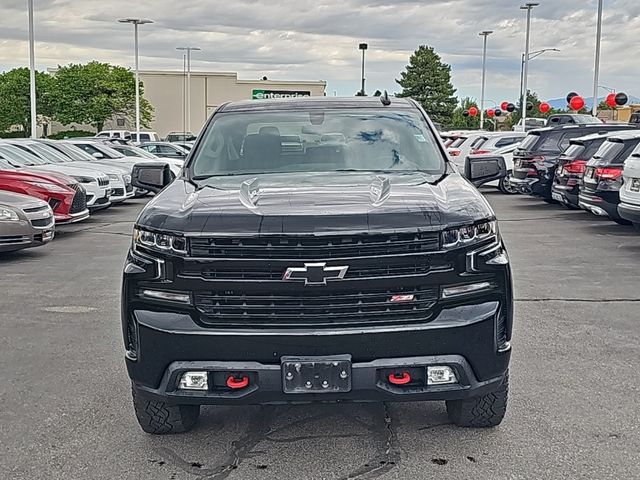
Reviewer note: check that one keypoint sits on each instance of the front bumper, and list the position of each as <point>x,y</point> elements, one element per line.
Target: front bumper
<point>629,212</point>
<point>21,234</point>
<point>72,217</point>
<point>462,337</point>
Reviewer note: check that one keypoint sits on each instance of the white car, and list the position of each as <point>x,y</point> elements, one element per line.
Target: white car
<point>629,207</point>
<point>175,164</point>
<point>22,153</point>
<point>495,141</point>
<point>118,175</point>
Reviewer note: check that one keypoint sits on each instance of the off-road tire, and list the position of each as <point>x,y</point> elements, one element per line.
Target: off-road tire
<point>159,418</point>
<point>480,412</point>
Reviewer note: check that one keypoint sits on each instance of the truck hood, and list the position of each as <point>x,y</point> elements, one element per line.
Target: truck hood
<point>315,203</point>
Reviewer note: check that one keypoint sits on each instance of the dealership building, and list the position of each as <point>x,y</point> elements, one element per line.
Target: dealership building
<point>165,90</point>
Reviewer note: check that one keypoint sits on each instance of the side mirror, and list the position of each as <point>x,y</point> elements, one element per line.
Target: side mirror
<point>151,176</point>
<point>97,155</point>
<point>484,169</point>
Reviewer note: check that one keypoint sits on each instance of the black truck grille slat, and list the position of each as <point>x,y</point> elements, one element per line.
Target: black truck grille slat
<point>361,308</point>
<point>103,182</point>
<point>79,203</point>
<point>315,247</point>
<point>272,272</point>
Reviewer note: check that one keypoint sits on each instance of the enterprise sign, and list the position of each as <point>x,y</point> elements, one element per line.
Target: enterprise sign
<point>266,94</point>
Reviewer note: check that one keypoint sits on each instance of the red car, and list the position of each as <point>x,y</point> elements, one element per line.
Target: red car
<point>65,195</point>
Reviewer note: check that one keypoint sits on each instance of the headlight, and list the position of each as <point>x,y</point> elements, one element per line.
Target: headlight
<point>160,242</point>
<point>113,176</point>
<point>463,236</point>
<point>52,187</point>
<point>82,179</point>
<point>8,215</point>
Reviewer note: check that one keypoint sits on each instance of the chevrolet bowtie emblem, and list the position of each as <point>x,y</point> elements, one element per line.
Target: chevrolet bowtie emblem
<point>314,273</point>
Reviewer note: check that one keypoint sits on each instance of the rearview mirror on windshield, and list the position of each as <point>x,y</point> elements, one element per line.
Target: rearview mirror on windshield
<point>480,170</point>
<point>151,176</point>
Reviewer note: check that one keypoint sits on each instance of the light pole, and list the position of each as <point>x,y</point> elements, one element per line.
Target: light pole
<point>532,55</point>
<point>189,50</point>
<point>596,70</point>
<point>136,22</point>
<point>523,99</point>
<point>32,73</point>
<point>484,34</point>
<point>363,47</point>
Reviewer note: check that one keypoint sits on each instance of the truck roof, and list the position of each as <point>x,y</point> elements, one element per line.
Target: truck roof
<point>306,103</point>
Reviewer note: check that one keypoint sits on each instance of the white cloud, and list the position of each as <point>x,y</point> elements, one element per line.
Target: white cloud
<point>318,39</point>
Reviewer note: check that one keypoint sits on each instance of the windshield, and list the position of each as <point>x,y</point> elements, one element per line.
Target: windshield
<point>311,141</point>
<point>4,165</point>
<point>47,153</point>
<point>573,151</point>
<point>18,156</point>
<point>135,152</point>
<point>73,152</point>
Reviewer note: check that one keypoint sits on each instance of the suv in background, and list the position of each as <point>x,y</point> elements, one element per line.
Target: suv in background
<point>122,134</point>
<point>180,137</point>
<point>572,119</point>
<point>629,207</point>
<point>535,160</point>
<point>496,141</point>
<point>368,270</point>
<point>571,166</point>
<point>602,180</point>
<point>145,137</point>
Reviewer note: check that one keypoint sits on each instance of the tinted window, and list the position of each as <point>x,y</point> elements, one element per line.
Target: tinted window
<point>608,152</point>
<point>457,142</point>
<point>573,152</point>
<point>503,142</point>
<point>374,140</point>
<point>478,142</point>
<point>566,138</point>
<point>530,141</point>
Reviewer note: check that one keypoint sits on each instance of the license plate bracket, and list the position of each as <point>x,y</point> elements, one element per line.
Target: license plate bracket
<point>635,185</point>
<point>331,374</point>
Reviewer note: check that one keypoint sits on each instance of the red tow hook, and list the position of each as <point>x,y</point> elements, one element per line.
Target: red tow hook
<point>400,378</point>
<point>237,384</point>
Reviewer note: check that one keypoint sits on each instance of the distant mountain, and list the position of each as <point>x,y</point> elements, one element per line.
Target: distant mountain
<point>561,103</point>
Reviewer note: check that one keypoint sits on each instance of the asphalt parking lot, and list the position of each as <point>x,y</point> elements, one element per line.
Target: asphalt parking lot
<point>66,409</point>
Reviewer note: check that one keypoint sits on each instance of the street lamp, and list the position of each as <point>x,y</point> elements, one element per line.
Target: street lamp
<point>136,22</point>
<point>32,72</point>
<point>523,99</point>
<point>532,55</point>
<point>484,34</point>
<point>188,101</point>
<point>596,70</point>
<point>363,47</point>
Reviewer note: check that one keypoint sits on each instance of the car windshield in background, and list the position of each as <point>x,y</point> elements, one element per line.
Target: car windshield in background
<point>609,151</point>
<point>313,141</point>
<point>530,141</point>
<point>18,156</point>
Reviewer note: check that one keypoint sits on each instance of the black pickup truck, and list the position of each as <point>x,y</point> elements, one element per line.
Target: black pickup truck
<point>358,266</point>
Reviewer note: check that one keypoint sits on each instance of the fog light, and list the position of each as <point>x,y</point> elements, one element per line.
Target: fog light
<point>168,296</point>
<point>440,375</point>
<point>464,289</point>
<point>194,381</point>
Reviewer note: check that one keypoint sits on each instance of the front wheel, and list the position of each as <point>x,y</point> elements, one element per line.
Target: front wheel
<point>159,418</point>
<point>505,185</point>
<point>483,411</point>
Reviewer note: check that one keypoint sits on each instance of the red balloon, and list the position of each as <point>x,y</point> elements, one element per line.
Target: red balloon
<point>544,107</point>
<point>473,111</point>
<point>576,103</point>
<point>491,112</point>
<point>611,100</point>
<point>504,106</point>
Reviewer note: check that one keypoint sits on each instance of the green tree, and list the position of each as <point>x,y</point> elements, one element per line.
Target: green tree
<point>535,112</point>
<point>95,92</point>
<point>15,102</point>
<point>459,121</point>
<point>427,79</point>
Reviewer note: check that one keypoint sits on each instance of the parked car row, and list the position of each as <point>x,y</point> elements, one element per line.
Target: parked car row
<point>594,167</point>
<point>48,182</point>
<point>171,137</point>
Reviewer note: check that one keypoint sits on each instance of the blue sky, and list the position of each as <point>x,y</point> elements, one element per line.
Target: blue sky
<point>318,39</point>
